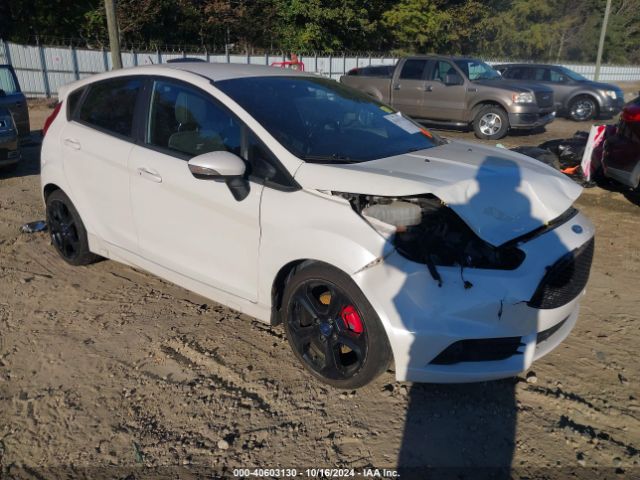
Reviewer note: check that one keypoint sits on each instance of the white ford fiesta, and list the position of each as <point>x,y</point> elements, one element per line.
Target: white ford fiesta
<point>295,199</point>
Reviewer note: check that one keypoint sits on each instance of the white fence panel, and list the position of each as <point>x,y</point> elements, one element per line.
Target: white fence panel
<point>58,59</point>
<point>91,61</point>
<point>42,70</point>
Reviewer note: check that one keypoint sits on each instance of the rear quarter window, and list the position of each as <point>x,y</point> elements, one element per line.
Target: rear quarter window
<point>110,105</point>
<point>72,102</point>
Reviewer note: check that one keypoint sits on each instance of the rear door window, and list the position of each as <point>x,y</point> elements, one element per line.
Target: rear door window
<point>413,69</point>
<point>190,123</point>
<point>517,73</point>
<point>7,82</point>
<point>110,105</point>
<point>541,74</point>
<point>557,77</point>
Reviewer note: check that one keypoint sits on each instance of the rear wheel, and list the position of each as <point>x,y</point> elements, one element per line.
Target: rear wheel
<point>583,108</point>
<point>491,123</point>
<point>68,235</point>
<point>332,329</point>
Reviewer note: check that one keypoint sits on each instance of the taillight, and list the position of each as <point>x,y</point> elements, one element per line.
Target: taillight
<point>51,118</point>
<point>631,113</point>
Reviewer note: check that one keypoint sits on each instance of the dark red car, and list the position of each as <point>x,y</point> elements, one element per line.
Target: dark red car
<point>621,159</point>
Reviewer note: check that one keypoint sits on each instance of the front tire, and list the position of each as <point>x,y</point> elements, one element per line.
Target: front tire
<point>68,234</point>
<point>583,108</point>
<point>491,123</point>
<point>332,329</point>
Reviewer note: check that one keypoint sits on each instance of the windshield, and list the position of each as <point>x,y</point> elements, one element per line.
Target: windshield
<point>477,70</point>
<point>320,120</point>
<point>573,75</point>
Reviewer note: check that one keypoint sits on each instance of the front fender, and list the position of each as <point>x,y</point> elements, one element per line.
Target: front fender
<point>311,225</point>
<point>478,102</point>
<point>599,98</point>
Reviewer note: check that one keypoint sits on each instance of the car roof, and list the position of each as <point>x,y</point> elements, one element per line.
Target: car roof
<point>544,65</point>
<point>228,71</point>
<point>189,71</point>
<point>434,56</point>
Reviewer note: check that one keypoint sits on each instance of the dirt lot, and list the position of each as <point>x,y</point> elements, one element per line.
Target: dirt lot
<point>105,370</point>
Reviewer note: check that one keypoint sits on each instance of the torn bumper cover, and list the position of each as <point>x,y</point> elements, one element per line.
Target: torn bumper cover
<point>457,333</point>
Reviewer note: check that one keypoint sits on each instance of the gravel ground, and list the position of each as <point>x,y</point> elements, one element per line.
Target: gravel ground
<point>109,372</point>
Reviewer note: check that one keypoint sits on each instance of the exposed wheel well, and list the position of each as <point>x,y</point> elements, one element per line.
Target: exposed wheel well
<point>49,189</point>
<point>479,106</point>
<point>280,283</point>
<point>277,289</point>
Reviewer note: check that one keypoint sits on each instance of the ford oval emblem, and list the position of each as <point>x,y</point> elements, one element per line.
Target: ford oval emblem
<point>576,229</point>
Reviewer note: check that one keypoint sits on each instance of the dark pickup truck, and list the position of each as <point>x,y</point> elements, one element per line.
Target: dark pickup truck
<point>459,91</point>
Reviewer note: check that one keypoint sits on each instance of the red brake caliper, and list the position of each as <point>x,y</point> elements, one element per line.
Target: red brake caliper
<point>351,319</point>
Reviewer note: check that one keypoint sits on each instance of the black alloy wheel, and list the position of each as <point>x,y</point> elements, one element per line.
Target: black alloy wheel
<point>68,234</point>
<point>335,334</point>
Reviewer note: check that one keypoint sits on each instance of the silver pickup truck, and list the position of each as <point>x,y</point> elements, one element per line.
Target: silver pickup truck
<point>456,91</point>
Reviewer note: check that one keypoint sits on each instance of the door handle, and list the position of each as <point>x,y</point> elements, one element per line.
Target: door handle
<point>472,90</point>
<point>396,86</point>
<point>428,88</point>
<point>149,175</point>
<point>71,143</point>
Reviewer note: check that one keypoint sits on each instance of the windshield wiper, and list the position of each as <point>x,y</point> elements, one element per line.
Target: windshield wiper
<point>335,158</point>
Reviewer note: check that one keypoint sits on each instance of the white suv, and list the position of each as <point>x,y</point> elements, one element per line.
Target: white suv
<point>295,199</point>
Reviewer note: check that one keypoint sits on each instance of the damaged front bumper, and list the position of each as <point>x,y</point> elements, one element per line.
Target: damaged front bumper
<point>478,325</point>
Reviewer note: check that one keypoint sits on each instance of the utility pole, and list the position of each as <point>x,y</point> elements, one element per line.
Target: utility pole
<point>603,34</point>
<point>114,34</point>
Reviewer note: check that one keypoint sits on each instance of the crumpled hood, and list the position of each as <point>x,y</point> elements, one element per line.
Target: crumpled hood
<point>500,194</point>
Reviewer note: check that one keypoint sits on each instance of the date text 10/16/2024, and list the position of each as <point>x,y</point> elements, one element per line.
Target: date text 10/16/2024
<point>315,473</point>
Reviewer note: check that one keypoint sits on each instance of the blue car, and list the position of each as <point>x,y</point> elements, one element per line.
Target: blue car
<point>11,97</point>
<point>9,145</point>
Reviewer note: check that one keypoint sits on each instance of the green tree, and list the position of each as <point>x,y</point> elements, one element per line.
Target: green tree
<point>418,25</point>
<point>329,25</point>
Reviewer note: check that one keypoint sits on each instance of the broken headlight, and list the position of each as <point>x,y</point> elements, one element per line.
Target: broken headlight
<point>424,230</point>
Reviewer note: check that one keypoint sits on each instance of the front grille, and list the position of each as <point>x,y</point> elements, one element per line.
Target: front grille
<point>565,279</point>
<point>544,99</point>
<point>479,350</point>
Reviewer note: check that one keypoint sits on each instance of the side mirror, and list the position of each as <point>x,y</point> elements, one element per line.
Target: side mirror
<point>220,165</point>
<point>2,93</point>
<point>452,80</point>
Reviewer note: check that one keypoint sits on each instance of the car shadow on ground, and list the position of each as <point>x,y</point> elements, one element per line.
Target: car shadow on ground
<point>30,161</point>
<point>612,186</point>
<point>459,431</point>
<point>469,430</point>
